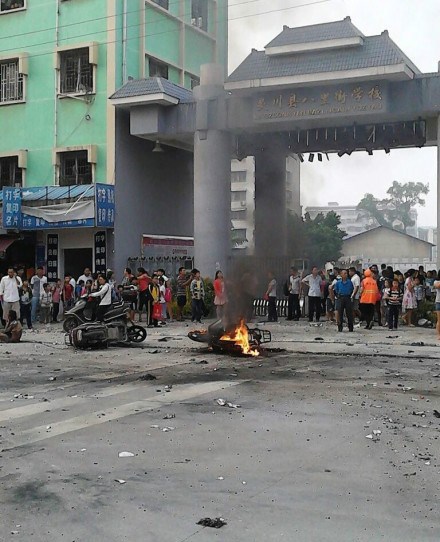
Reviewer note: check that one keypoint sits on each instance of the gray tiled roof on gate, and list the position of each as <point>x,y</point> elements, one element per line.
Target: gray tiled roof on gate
<point>153,85</point>
<point>317,32</point>
<point>375,51</point>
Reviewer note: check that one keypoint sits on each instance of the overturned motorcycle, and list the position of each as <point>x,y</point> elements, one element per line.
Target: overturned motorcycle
<point>116,328</point>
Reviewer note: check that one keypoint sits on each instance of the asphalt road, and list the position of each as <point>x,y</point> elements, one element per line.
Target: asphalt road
<point>291,462</point>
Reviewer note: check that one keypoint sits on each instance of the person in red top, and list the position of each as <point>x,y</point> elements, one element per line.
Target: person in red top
<point>220,295</point>
<point>145,297</point>
<point>67,294</point>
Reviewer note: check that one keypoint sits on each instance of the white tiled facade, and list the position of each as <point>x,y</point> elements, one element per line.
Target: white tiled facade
<point>243,199</point>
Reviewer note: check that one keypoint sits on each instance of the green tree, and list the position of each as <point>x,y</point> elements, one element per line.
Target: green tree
<point>318,240</point>
<point>397,206</point>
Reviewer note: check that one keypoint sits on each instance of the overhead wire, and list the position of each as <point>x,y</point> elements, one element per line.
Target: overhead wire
<point>35,55</point>
<point>48,29</point>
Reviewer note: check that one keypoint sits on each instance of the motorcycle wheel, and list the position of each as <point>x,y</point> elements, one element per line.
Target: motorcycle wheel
<point>70,323</point>
<point>136,334</point>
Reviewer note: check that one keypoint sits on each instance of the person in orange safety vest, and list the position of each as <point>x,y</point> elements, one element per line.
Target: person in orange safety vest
<point>369,296</point>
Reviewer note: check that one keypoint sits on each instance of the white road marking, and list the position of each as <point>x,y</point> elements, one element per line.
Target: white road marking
<point>179,394</point>
<point>31,409</point>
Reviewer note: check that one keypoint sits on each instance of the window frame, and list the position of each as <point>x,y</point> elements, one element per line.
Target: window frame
<point>58,155</point>
<point>159,63</point>
<point>21,157</point>
<point>198,12</point>
<point>92,48</point>
<point>21,60</point>
<point>14,10</point>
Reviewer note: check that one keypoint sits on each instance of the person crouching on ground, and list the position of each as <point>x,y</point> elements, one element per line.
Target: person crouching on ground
<point>105,293</point>
<point>369,296</point>
<point>13,330</point>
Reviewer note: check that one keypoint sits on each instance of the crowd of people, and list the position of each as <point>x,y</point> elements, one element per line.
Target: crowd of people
<point>34,299</point>
<point>386,296</point>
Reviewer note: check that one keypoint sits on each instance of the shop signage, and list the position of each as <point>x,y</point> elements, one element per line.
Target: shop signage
<point>11,208</point>
<point>105,205</point>
<point>52,257</point>
<point>307,103</point>
<point>100,252</point>
<point>35,223</point>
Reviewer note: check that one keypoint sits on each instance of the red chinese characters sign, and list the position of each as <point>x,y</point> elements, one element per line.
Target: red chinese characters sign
<point>355,99</point>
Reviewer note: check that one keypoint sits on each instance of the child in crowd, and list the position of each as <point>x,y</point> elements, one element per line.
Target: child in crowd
<point>45,304</point>
<point>419,290</point>
<point>56,299</point>
<point>393,297</point>
<point>384,303</point>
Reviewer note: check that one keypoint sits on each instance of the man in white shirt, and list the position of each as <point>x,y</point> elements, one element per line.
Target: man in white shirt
<point>314,283</point>
<point>9,294</point>
<point>356,280</point>
<point>37,282</point>
<point>293,306</point>
<point>87,275</point>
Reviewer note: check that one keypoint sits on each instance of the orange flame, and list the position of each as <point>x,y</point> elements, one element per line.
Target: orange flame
<point>240,337</point>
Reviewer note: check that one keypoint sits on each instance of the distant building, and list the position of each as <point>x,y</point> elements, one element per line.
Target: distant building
<point>429,234</point>
<point>243,199</point>
<point>387,245</point>
<point>354,220</point>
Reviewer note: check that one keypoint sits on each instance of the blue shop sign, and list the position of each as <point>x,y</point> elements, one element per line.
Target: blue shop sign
<point>105,205</point>
<point>33,222</point>
<point>11,208</point>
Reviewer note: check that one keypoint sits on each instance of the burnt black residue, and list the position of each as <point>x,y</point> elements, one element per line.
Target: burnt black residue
<point>35,495</point>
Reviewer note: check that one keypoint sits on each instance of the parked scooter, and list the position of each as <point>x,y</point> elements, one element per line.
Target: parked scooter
<point>119,313</point>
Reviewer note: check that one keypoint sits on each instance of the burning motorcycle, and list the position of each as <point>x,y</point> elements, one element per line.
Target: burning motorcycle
<point>238,339</point>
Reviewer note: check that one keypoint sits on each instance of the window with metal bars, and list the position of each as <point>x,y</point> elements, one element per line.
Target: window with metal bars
<point>10,173</point>
<point>11,82</point>
<point>10,5</point>
<point>75,168</point>
<point>76,72</point>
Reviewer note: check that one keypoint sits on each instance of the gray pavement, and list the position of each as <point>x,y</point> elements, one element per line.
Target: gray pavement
<point>291,463</point>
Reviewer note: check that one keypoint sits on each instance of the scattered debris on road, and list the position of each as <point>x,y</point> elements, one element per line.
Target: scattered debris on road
<point>148,376</point>
<point>215,523</point>
<point>222,402</point>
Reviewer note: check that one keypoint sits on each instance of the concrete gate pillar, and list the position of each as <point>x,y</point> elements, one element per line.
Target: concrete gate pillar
<point>270,203</point>
<point>438,193</point>
<point>212,174</point>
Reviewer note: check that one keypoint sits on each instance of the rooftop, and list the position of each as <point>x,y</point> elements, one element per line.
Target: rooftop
<point>317,32</point>
<point>152,89</point>
<point>323,53</point>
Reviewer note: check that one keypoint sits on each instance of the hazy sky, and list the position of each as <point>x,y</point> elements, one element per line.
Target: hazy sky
<point>413,26</point>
